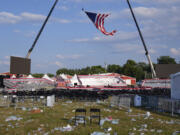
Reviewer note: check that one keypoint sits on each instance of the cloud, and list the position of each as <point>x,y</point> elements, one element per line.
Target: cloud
<point>64,8</point>
<point>61,20</point>
<point>175,51</point>
<point>127,48</point>
<point>6,17</point>
<point>4,62</point>
<point>59,64</point>
<point>7,57</point>
<point>120,36</point>
<point>148,12</point>
<point>80,1</point>
<point>10,18</point>
<point>157,1</point>
<point>30,34</point>
<point>74,56</point>
<point>32,17</point>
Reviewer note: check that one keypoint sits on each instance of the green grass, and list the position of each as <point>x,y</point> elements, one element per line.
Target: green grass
<point>60,115</point>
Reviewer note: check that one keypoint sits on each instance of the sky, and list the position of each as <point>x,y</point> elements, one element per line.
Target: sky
<point>70,39</point>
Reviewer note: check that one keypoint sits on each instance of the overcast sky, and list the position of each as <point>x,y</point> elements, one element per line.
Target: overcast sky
<point>70,39</point>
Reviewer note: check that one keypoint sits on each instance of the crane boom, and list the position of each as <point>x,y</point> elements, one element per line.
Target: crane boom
<point>142,39</point>
<point>40,31</point>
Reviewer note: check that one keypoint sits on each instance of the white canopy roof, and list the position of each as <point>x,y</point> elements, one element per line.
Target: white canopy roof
<point>13,76</point>
<point>47,77</point>
<point>63,76</point>
<point>29,76</point>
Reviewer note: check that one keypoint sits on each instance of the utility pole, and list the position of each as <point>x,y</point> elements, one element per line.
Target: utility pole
<point>40,31</point>
<point>142,39</point>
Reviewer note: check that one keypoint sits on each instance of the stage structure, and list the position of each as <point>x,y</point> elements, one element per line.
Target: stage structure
<point>142,39</point>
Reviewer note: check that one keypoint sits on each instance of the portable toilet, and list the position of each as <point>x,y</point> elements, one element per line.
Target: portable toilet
<point>137,100</point>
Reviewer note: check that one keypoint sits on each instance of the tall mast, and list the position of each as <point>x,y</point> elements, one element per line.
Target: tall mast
<point>142,39</point>
<point>40,31</point>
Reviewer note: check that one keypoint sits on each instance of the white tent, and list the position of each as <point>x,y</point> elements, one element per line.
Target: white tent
<point>29,76</point>
<point>13,76</point>
<point>63,76</point>
<point>47,77</point>
<point>75,80</point>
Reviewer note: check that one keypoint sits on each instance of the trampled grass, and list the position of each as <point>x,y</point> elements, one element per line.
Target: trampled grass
<point>52,119</point>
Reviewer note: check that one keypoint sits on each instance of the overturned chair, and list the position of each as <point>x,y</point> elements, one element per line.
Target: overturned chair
<point>95,114</point>
<point>80,114</point>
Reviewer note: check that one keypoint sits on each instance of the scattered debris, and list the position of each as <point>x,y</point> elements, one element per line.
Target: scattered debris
<point>13,118</point>
<point>80,120</point>
<point>131,133</point>
<point>115,121</point>
<point>176,133</point>
<point>47,133</point>
<point>99,101</point>
<point>24,108</point>
<point>107,110</point>
<point>69,101</point>
<point>108,129</point>
<point>134,129</point>
<point>133,119</point>
<point>102,122</point>
<point>115,133</point>
<point>36,111</point>
<point>64,129</point>
<point>147,115</point>
<point>109,119</point>
<point>100,133</point>
<point>129,110</point>
<point>170,122</point>
<point>144,125</point>
<point>159,131</point>
<point>152,130</point>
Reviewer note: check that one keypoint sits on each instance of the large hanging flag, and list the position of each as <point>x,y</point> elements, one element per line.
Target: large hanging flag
<point>98,20</point>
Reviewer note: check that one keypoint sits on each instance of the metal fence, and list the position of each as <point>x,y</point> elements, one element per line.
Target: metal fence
<point>121,101</point>
<point>161,104</point>
<point>5,101</point>
<point>155,103</point>
<point>23,101</point>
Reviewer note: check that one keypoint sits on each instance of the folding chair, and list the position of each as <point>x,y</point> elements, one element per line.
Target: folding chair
<point>80,113</point>
<point>95,114</point>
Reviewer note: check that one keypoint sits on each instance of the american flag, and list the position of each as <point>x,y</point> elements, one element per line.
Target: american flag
<point>98,20</point>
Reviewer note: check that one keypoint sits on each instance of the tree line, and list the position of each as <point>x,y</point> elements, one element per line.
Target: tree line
<point>139,70</point>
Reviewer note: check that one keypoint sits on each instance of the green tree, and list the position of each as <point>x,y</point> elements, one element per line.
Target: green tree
<point>97,69</point>
<point>129,68</point>
<point>37,75</point>
<point>139,73</point>
<point>114,69</point>
<point>50,75</point>
<point>166,60</point>
<point>63,70</point>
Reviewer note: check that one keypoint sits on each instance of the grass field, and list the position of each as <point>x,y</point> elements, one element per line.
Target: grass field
<point>51,121</point>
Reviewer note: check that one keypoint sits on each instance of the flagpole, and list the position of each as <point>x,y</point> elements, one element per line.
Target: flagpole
<point>40,31</point>
<point>142,39</point>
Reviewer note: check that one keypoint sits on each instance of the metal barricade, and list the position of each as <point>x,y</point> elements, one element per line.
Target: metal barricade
<point>121,101</point>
